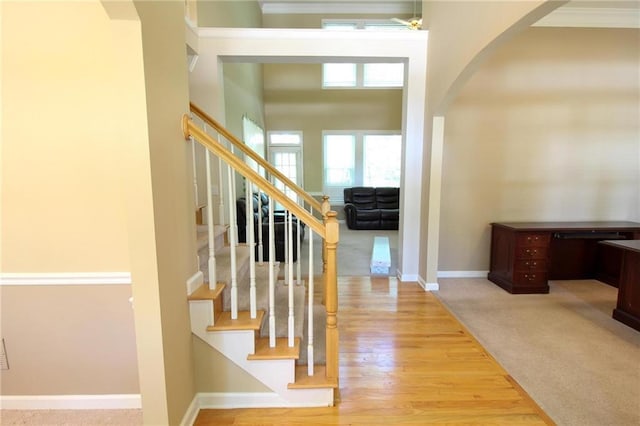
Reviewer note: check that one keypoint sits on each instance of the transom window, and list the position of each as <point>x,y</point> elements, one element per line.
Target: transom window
<point>369,75</point>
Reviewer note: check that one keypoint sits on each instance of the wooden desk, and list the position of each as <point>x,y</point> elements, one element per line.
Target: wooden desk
<point>525,255</point>
<point>627,309</point>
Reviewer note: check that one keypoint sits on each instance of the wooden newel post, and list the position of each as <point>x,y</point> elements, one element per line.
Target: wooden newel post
<point>326,207</point>
<point>331,294</point>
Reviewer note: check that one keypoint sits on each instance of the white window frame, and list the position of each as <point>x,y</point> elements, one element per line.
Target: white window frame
<point>291,148</point>
<point>336,193</point>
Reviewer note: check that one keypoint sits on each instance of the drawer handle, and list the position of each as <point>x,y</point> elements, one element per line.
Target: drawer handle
<point>534,251</point>
<point>531,263</point>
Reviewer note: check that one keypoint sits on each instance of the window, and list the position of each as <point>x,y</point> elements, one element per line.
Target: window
<point>339,75</point>
<point>339,160</point>
<point>285,152</point>
<point>382,159</point>
<point>369,75</point>
<point>365,158</point>
<point>383,75</point>
<point>253,136</point>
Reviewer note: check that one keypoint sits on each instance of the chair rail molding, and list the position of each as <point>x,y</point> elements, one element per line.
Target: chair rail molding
<point>65,278</point>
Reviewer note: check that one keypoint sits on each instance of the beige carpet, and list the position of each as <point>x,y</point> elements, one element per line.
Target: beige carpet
<point>71,417</point>
<point>580,365</point>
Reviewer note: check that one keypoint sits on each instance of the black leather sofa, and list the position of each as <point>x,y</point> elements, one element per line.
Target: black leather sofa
<point>367,207</point>
<point>279,227</point>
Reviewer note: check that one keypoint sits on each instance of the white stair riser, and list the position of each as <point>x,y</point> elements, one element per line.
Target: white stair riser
<point>237,345</point>
<point>201,313</point>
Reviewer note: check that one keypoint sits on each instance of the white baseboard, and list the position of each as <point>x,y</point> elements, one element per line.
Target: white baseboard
<point>70,402</point>
<point>428,286</point>
<point>190,416</point>
<point>462,274</point>
<point>407,277</point>
<point>195,282</point>
<point>65,278</point>
<point>226,400</point>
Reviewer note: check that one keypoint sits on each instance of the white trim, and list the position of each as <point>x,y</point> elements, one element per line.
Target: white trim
<point>407,277</point>
<point>190,416</point>
<point>428,286</point>
<point>227,400</point>
<point>230,400</point>
<point>462,274</point>
<point>65,278</point>
<point>194,282</point>
<point>319,7</point>
<point>591,17</point>
<point>71,402</point>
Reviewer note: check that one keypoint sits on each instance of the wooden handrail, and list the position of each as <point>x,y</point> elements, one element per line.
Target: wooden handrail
<point>251,153</point>
<point>189,128</point>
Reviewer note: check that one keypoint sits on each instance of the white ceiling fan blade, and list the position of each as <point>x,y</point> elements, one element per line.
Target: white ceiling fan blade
<point>413,23</point>
<point>401,21</point>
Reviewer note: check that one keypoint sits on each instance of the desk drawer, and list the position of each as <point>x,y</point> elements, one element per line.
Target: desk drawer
<point>531,265</point>
<point>524,239</point>
<point>523,253</point>
<point>530,278</point>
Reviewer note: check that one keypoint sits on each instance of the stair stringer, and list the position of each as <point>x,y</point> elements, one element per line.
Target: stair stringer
<point>276,374</point>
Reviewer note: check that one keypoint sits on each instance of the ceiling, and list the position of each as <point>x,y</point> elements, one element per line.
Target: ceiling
<point>577,13</point>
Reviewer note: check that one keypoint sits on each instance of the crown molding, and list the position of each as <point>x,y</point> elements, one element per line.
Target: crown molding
<point>591,17</point>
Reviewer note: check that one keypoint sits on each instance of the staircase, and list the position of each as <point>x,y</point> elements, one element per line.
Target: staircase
<point>260,322</point>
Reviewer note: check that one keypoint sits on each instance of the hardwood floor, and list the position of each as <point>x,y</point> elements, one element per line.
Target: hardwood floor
<point>404,359</point>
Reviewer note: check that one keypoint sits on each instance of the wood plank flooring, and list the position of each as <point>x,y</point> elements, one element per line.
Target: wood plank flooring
<point>404,359</point>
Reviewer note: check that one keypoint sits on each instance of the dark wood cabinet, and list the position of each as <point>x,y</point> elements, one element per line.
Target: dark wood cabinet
<point>519,260</point>
<point>526,255</point>
<point>627,308</point>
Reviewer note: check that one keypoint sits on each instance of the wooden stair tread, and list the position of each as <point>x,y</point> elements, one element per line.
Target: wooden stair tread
<point>281,351</point>
<point>244,321</point>
<point>205,293</point>
<point>317,381</point>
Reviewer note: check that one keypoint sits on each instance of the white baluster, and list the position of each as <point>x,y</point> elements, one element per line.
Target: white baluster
<point>248,216</point>
<point>252,253</point>
<point>288,223</point>
<point>195,174</point>
<point>213,277</point>
<point>310,318</point>
<point>221,192</point>
<point>233,238</point>
<point>272,278</point>
<point>298,264</point>
<point>260,219</point>
<point>232,201</point>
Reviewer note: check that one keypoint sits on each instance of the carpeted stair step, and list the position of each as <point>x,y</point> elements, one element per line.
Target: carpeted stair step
<point>282,311</point>
<point>244,283</point>
<point>319,336</point>
<point>223,263</point>
<point>219,232</point>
